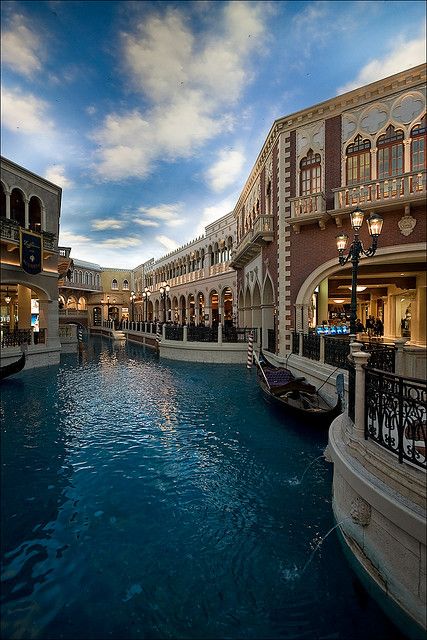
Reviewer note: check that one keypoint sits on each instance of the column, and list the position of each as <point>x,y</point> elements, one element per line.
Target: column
<point>27,212</point>
<point>7,193</point>
<point>360,358</point>
<point>322,302</point>
<point>419,327</point>
<point>24,307</point>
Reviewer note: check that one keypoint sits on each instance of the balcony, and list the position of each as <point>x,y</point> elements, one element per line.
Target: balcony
<point>64,283</point>
<point>308,209</point>
<point>380,195</point>
<point>252,242</point>
<point>9,233</point>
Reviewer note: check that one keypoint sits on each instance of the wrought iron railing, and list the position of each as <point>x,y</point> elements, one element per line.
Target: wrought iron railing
<point>311,346</point>
<point>395,414</point>
<point>174,333</point>
<point>241,335</point>
<point>336,351</point>
<point>271,340</point>
<point>16,338</point>
<point>382,356</point>
<point>202,334</point>
<point>295,342</point>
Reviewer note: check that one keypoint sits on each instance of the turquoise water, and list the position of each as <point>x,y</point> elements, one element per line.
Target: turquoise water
<point>158,499</point>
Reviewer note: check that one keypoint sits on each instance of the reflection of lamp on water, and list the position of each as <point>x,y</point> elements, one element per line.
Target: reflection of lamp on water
<point>356,251</point>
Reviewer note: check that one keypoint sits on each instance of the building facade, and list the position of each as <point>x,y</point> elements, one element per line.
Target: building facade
<point>30,208</point>
<point>364,148</point>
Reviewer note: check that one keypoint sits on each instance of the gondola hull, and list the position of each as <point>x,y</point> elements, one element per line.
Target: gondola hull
<point>14,367</point>
<point>296,397</point>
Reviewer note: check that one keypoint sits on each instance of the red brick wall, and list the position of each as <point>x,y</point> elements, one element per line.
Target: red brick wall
<point>313,246</point>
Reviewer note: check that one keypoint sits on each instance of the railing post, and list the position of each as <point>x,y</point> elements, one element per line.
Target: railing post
<point>164,331</point>
<point>322,349</point>
<point>301,343</point>
<point>184,333</point>
<point>360,358</point>
<point>399,363</point>
<point>219,333</point>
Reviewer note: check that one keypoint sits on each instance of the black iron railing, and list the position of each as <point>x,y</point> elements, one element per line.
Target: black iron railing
<point>271,340</point>
<point>382,355</point>
<point>311,346</point>
<point>395,414</point>
<point>295,342</point>
<point>16,338</point>
<point>336,351</point>
<point>202,334</point>
<point>174,333</point>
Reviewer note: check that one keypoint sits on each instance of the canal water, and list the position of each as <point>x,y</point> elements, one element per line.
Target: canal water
<point>160,499</point>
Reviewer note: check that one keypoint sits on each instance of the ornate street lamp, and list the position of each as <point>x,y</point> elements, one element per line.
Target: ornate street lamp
<point>108,308</point>
<point>145,295</point>
<point>164,294</point>
<point>356,251</point>
<point>132,301</point>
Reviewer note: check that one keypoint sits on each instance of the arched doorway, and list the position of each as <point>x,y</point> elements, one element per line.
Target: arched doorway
<point>227,306</point>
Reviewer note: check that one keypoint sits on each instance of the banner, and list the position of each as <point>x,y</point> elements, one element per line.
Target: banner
<point>31,251</point>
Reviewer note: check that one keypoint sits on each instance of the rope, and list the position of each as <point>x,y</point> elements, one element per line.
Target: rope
<point>331,374</point>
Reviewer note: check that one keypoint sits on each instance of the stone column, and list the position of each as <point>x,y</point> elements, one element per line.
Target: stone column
<point>24,307</point>
<point>7,193</point>
<point>27,212</point>
<point>360,358</point>
<point>322,302</point>
<point>421,306</point>
<point>220,334</point>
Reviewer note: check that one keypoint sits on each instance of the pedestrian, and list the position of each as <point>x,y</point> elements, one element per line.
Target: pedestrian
<point>378,328</point>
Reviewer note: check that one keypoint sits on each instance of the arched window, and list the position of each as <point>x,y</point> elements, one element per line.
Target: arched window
<point>2,202</point>
<point>114,284</point>
<point>125,285</point>
<point>418,146</point>
<point>390,153</point>
<point>358,161</point>
<point>98,281</point>
<point>35,214</point>
<point>310,174</point>
<point>86,277</point>
<point>17,207</point>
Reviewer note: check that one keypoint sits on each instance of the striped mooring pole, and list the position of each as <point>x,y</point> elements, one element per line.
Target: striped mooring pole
<point>250,350</point>
<point>158,334</point>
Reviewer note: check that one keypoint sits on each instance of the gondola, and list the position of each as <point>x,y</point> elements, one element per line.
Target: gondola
<point>9,369</point>
<point>295,396</point>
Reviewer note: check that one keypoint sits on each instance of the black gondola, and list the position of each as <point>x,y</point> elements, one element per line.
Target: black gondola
<point>295,395</point>
<point>14,367</point>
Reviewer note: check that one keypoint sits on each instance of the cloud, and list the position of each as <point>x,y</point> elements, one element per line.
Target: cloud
<point>69,238</point>
<point>24,113</point>
<point>55,174</point>
<point>170,214</point>
<point>107,223</point>
<point>403,55</point>
<point>21,47</point>
<point>146,223</point>
<point>214,212</point>
<point>190,83</point>
<point>167,243</point>
<point>121,243</point>
<point>226,170</point>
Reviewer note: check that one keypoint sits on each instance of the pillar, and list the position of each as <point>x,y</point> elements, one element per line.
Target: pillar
<point>322,302</point>
<point>419,326</point>
<point>360,358</point>
<point>24,307</point>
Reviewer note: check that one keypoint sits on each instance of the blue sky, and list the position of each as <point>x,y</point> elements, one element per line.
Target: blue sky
<point>150,115</point>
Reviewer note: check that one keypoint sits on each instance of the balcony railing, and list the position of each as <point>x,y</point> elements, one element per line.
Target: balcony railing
<point>398,188</point>
<point>250,244</point>
<point>9,231</point>
<point>309,205</point>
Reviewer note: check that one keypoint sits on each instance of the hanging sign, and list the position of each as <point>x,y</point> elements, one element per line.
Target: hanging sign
<point>31,251</point>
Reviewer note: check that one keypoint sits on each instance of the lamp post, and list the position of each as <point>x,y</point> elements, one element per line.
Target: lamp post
<point>356,251</point>
<point>108,308</point>
<point>145,295</point>
<point>132,301</point>
<point>164,294</point>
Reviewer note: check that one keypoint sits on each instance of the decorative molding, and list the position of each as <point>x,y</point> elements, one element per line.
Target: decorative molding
<point>407,224</point>
<point>360,512</point>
